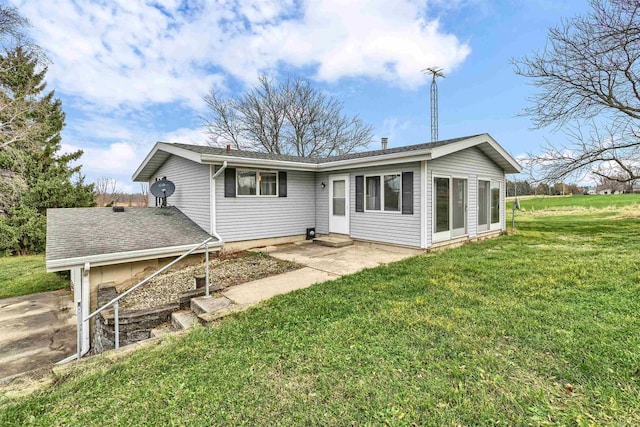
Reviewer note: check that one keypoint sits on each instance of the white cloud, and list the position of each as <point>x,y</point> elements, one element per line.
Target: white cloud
<point>130,53</point>
<point>392,127</point>
<point>186,136</point>
<point>115,159</point>
<point>117,60</point>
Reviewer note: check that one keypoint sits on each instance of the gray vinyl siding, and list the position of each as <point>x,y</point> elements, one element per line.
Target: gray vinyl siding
<point>472,164</point>
<point>387,227</point>
<point>256,217</point>
<point>322,203</point>
<point>503,203</point>
<point>192,188</point>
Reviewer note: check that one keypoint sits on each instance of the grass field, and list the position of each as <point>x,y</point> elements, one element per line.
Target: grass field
<point>537,327</point>
<point>580,201</point>
<point>22,275</point>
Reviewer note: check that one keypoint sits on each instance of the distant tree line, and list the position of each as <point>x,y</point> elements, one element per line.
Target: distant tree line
<point>528,188</point>
<point>34,175</point>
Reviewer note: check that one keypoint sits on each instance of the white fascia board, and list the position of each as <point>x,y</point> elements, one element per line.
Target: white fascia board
<point>180,152</point>
<point>447,149</point>
<point>124,257</point>
<point>388,159</point>
<point>145,161</point>
<point>234,161</point>
<point>168,148</point>
<point>385,159</point>
<point>472,142</point>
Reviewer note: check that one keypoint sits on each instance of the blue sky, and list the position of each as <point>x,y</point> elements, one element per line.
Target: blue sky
<point>130,73</point>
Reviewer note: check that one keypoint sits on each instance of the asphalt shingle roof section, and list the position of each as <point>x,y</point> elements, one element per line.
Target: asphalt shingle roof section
<point>203,149</point>
<point>79,232</point>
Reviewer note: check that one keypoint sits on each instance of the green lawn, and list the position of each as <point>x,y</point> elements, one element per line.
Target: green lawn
<point>537,327</point>
<point>580,201</point>
<point>22,275</point>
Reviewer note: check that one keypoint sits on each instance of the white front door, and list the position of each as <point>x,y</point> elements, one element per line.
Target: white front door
<point>339,204</point>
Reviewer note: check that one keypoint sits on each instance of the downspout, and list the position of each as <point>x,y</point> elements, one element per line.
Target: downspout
<point>214,233</point>
<point>80,280</point>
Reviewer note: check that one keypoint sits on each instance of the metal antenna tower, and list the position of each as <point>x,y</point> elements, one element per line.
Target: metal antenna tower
<point>435,72</point>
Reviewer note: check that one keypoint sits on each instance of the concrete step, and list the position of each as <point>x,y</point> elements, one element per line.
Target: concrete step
<point>202,305</point>
<point>206,318</point>
<point>334,241</point>
<point>183,319</point>
<point>162,330</point>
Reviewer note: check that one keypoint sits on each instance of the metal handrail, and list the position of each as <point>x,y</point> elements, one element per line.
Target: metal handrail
<point>115,301</point>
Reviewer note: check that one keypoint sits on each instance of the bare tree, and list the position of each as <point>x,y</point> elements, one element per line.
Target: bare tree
<point>588,81</point>
<point>289,117</point>
<point>141,198</point>
<point>107,192</point>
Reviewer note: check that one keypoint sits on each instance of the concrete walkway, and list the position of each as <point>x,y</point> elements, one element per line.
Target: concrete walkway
<point>36,330</point>
<point>321,264</point>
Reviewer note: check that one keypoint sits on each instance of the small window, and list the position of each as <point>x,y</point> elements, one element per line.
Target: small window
<point>257,183</point>
<point>247,183</point>
<point>268,183</point>
<point>373,193</point>
<point>392,185</point>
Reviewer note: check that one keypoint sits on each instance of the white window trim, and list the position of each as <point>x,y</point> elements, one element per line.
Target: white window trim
<point>493,226</point>
<point>258,171</point>
<point>496,225</point>
<point>441,236</point>
<point>382,209</point>
<point>488,224</point>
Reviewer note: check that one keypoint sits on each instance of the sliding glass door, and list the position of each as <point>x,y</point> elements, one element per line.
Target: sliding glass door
<point>450,207</point>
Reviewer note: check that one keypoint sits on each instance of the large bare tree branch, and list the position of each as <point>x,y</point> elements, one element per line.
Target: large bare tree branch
<point>588,76</point>
<point>289,117</point>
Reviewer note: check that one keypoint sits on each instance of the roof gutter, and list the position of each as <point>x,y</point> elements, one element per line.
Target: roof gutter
<point>118,257</point>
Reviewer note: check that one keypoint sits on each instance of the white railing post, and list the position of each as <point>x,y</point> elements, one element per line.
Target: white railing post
<point>79,321</point>
<point>114,302</point>
<point>116,324</point>
<point>206,269</point>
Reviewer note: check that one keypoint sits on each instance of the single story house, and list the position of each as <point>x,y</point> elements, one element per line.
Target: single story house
<point>420,196</point>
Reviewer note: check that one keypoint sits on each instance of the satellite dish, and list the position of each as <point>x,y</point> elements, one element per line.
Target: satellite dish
<point>162,188</point>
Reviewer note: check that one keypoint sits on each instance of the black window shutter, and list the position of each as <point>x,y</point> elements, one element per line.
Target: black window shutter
<point>407,193</point>
<point>360,193</point>
<point>230,182</point>
<point>282,184</point>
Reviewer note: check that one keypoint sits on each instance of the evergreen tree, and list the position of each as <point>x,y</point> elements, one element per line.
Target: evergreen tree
<point>33,176</point>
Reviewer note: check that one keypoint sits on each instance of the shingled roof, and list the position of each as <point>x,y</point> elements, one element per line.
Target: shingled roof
<point>203,149</point>
<point>83,232</point>
<point>205,154</point>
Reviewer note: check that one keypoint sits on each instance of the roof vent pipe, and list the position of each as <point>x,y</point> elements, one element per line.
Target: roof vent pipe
<point>384,142</point>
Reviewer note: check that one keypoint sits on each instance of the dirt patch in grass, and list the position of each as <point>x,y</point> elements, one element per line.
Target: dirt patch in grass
<point>225,270</point>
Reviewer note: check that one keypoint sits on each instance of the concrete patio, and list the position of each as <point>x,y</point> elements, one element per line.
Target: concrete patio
<point>320,263</point>
<point>35,331</point>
